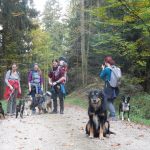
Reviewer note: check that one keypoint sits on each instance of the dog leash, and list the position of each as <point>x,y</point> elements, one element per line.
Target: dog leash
<point>11,94</point>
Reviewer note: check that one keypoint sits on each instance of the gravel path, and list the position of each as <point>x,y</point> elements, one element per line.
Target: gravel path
<point>66,132</point>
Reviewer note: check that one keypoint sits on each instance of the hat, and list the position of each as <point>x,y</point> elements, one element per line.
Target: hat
<point>63,59</point>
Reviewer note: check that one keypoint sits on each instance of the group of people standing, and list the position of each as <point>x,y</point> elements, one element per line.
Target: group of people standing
<point>57,78</point>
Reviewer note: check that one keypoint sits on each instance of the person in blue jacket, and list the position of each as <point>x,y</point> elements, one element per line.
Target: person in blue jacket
<point>110,93</point>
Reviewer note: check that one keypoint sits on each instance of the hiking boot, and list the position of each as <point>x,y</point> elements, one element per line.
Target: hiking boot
<point>53,112</point>
<point>61,112</point>
<point>112,119</point>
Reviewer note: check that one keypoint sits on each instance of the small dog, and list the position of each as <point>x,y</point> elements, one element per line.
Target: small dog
<point>27,107</point>
<point>1,111</point>
<point>97,126</point>
<point>124,106</point>
<point>20,109</point>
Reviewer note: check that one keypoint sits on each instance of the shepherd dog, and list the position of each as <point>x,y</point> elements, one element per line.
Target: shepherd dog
<point>97,126</point>
<point>48,103</point>
<point>20,108</point>
<point>27,107</point>
<point>124,107</point>
<point>1,111</point>
<point>37,103</point>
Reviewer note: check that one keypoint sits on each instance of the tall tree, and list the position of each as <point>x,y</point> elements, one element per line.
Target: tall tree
<point>16,21</point>
<point>52,23</point>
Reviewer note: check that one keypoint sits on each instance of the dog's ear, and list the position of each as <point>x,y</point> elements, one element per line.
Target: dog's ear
<point>122,98</point>
<point>128,99</point>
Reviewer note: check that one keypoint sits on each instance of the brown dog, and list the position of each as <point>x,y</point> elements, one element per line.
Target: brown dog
<point>97,126</point>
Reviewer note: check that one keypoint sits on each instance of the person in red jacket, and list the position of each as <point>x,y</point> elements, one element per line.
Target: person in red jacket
<point>56,79</point>
<point>13,89</point>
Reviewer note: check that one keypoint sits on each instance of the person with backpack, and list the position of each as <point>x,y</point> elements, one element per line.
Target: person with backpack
<point>56,79</point>
<point>13,88</point>
<point>111,74</point>
<point>35,83</point>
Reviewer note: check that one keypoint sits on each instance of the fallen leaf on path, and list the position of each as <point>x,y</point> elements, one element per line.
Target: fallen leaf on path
<point>40,139</point>
<point>20,147</point>
<point>67,145</point>
<point>116,145</point>
<point>129,142</point>
<point>18,131</point>
<point>141,135</point>
<point>82,128</point>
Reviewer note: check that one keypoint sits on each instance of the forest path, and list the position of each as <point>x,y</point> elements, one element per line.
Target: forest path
<point>67,132</point>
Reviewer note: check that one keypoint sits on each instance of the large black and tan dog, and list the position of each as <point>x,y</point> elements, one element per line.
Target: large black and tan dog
<point>97,126</point>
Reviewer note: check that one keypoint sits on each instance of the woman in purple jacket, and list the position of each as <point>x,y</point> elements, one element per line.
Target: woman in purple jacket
<point>35,82</point>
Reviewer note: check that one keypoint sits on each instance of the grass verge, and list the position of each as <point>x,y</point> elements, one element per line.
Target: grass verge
<point>140,105</point>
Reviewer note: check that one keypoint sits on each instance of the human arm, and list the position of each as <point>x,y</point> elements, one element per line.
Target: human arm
<point>29,80</point>
<point>6,80</point>
<point>62,76</point>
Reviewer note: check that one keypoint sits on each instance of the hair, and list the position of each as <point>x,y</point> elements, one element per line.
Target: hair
<point>55,60</point>
<point>14,64</point>
<point>39,70</point>
<point>108,59</point>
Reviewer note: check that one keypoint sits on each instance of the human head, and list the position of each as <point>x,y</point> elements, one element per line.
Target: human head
<point>109,61</point>
<point>36,67</point>
<point>55,62</point>
<point>62,61</point>
<point>14,67</point>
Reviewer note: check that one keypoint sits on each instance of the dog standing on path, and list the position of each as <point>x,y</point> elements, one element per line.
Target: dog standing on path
<point>27,107</point>
<point>124,107</point>
<point>1,111</point>
<point>20,109</point>
<point>48,104</point>
<point>97,126</point>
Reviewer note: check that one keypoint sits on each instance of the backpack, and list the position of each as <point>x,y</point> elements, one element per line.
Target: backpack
<point>17,73</point>
<point>115,76</point>
<point>10,72</point>
<point>35,76</point>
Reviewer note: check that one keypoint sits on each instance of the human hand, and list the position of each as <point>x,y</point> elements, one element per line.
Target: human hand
<point>50,83</point>
<point>103,66</point>
<point>54,83</point>
<point>11,87</point>
<point>29,89</point>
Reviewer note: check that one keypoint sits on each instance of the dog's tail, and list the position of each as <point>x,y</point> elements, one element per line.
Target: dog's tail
<point>108,128</point>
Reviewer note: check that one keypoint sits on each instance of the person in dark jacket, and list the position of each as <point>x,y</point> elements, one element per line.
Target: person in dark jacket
<point>56,79</point>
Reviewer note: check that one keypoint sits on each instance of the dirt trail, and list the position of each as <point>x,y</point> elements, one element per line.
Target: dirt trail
<point>66,132</point>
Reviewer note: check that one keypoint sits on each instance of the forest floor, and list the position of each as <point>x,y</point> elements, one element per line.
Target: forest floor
<point>67,132</point>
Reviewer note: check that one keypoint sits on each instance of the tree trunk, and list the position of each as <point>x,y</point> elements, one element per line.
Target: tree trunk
<point>83,52</point>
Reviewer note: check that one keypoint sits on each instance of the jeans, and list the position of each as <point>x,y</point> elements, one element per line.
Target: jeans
<point>11,106</point>
<point>109,105</point>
